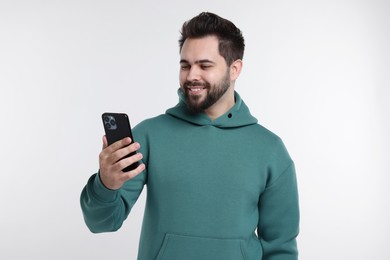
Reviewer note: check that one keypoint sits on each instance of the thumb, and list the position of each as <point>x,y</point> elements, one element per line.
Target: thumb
<point>105,143</point>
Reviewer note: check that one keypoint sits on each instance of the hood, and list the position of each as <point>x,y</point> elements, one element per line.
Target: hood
<point>237,116</point>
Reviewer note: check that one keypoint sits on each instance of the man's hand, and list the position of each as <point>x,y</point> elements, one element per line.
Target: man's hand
<point>111,165</point>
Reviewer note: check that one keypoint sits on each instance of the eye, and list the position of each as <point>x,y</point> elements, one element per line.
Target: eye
<point>184,67</point>
<point>205,66</point>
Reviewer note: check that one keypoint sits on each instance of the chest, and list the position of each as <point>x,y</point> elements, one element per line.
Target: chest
<point>208,162</point>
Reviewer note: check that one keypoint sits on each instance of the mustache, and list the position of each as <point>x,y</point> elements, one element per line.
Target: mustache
<point>196,83</point>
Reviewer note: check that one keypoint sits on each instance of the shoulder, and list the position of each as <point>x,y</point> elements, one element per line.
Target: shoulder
<point>273,148</point>
<point>262,134</point>
<point>161,124</point>
<point>150,123</point>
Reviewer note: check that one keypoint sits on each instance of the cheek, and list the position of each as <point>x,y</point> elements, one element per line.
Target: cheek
<point>182,77</point>
<point>211,78</point>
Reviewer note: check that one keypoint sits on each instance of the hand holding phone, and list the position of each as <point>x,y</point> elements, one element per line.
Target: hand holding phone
<point>117,127</point>
<point>118,159</point>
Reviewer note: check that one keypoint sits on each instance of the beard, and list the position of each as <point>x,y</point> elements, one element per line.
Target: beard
<point>214,93</point>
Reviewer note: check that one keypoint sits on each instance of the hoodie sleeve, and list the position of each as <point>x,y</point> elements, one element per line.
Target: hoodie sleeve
<point>104,210</point>
<point>278,224</point>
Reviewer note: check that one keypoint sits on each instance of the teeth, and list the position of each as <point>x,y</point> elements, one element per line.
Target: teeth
<point>195,89</point>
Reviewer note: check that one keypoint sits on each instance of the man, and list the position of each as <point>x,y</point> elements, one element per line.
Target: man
<point>220,186</point>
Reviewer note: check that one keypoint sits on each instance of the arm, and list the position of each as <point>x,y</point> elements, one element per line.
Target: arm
<point>279,217</point>
<point>109,195</point>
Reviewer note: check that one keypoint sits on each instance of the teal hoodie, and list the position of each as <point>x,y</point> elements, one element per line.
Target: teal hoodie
<point>222,189</point>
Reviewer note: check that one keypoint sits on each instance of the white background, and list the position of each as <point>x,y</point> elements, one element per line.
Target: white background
<point>315,72</point>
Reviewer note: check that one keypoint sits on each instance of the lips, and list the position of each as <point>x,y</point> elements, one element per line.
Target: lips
<point>195,90</point>
<point>195,87</point>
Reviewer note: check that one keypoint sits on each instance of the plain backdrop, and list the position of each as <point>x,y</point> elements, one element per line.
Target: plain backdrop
<point>315,72</point>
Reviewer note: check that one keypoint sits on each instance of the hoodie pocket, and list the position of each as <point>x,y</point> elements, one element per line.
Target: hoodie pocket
<point>180,247</point>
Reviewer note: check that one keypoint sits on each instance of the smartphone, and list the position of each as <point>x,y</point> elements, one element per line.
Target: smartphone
<point>117,126</point>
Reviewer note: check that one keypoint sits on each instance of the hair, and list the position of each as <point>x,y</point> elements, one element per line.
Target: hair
<point>231,42</point>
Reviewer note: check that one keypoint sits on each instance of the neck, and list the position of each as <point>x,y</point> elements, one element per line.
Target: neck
<point>224,104</point>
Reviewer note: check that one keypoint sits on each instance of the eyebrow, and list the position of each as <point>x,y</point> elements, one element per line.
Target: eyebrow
<point>198,61</point>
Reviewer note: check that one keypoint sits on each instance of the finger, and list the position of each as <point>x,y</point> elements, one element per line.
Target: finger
<point>131,174</point>
<point>125,162</point>
<point>119,144</point>
<point>119,154</point>
<point>111,158</point>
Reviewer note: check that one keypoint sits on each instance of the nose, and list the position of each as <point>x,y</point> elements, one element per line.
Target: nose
<point>193,74</point>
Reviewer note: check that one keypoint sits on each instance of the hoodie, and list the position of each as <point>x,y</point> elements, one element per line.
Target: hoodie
<point>222,189</point>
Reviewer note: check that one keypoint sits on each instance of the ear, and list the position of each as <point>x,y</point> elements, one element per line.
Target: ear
<point>235,69</point>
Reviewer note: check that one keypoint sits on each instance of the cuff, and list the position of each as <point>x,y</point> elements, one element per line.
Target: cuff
<point>103,193</point>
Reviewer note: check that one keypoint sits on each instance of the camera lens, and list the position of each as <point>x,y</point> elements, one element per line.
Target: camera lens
<point>108,126</point>
<point>112,122</point>
<point>106,119</point>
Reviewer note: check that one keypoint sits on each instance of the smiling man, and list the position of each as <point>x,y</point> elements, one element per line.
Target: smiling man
<point>220,185</point>
<point>206,79</point>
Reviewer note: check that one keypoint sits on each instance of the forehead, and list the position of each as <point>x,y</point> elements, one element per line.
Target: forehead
<point>205,48</point>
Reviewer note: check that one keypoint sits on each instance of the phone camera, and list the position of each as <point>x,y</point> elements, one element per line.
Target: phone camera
<point>109,122</point>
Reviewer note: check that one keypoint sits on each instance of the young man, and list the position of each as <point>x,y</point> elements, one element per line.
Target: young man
<point>220,186</point>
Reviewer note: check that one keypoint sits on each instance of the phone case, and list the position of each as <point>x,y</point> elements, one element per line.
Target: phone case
<point>117,126</point>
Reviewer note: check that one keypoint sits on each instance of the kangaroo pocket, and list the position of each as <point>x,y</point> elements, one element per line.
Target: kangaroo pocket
<point>180,247</point>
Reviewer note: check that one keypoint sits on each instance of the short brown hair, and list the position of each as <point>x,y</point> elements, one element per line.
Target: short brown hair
<point>231,41</point>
